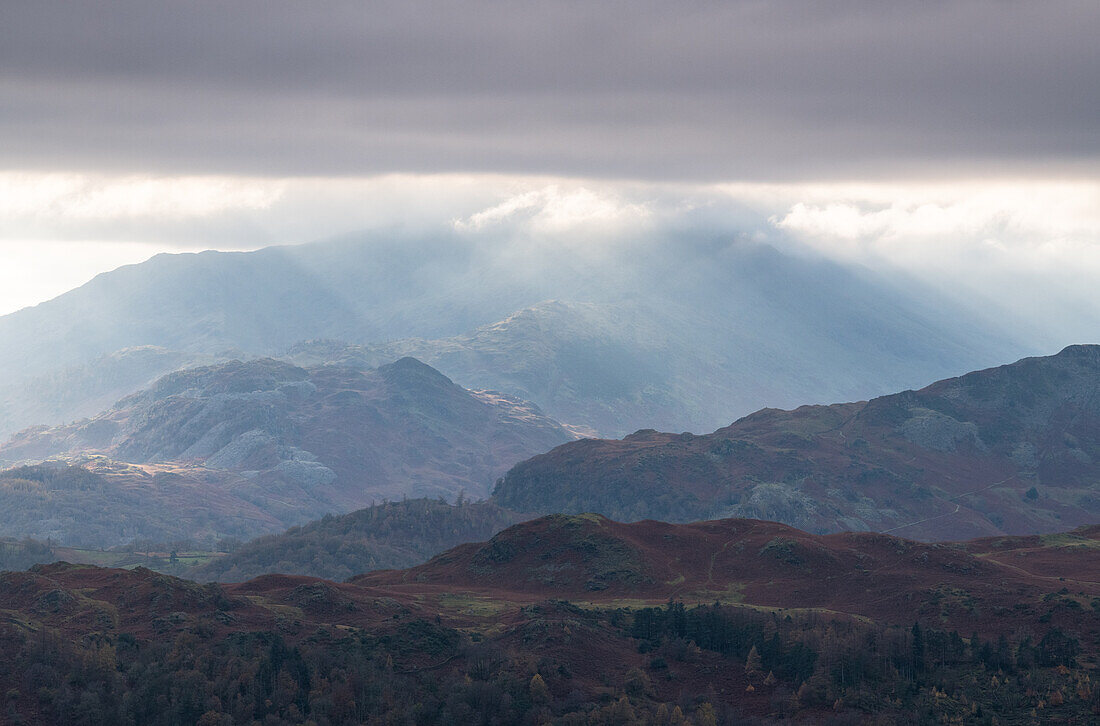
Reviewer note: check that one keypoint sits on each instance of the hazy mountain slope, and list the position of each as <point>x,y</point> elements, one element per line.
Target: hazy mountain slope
<point>601,367</point>
<point>786,332</point>
<point>259,302</point>
<point>300,443</point>
<point>80,391</point>
<point>684,334</point>
<point>382,537</point>
<point>1011,449</point>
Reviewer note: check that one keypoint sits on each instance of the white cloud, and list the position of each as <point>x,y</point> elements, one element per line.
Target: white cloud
<point>1016,213</point>
<point>1026,249</point>
<point>555,209</point>
<point>99,197</point>
<point>993,238</point>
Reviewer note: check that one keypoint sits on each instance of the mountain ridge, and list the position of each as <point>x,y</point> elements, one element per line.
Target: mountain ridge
<point>709,339</point>
<point>295,443</point>
<point>957,458</point>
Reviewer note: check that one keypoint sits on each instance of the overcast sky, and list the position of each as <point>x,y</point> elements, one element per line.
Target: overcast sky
<point>868,128</point>
<point>769,89</point>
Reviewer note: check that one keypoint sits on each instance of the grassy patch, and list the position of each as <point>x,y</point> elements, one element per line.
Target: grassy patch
<point>284,611</point>
<point>1068,539</point>
<point>733,594</point>
<point>465,604</point>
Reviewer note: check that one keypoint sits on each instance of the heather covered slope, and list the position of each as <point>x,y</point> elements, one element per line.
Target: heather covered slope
<point>291,443</point>
<point>1012,449</point>
<point>721,622</point>
<point>589,557</point>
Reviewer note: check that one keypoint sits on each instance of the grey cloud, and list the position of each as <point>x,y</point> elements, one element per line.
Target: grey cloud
<point>686,90</point>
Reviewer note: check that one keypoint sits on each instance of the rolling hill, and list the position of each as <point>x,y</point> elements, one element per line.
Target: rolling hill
<point>1013,449</point>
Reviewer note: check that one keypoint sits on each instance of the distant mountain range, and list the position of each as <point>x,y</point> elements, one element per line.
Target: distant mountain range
<point>1014,449</point>
<point>269,444</point>
<point>678,334</point>
<point>248,448</point>
<point>1009,449</point>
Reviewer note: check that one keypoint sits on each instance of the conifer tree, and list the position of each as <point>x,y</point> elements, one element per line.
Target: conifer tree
<point>753,663</point>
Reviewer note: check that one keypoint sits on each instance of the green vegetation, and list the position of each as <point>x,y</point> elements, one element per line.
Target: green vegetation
<point>21,554</point>
<point>386,536</point>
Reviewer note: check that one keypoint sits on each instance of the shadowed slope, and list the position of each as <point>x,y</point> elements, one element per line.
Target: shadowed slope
<point>1008,449</point>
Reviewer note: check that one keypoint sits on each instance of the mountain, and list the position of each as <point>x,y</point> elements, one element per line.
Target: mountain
<point>79,391</point>
<point>383,537</point>
<point>681,333</point>
<point>693,363</point>
<point>292,443</point>
<point>734,621</point>
<point>1014,449</point>
<point>227,305</point>
<point>599,367</point>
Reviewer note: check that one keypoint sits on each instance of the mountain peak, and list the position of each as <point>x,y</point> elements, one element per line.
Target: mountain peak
<point>296,442</point>
<point>1082,351</point>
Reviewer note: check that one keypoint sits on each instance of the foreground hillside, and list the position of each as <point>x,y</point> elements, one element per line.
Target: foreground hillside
<point>1014,449</point>
<point>579,620</point>
<point>246,448</point>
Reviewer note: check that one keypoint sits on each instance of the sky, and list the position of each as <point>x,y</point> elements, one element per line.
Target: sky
<point>957,140</point>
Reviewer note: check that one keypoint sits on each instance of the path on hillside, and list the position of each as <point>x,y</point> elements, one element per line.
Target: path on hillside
<point>947,514</point>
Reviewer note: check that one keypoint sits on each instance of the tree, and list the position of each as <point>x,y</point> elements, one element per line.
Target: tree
<point>753,663</point>
<point>540,694</point>
<point>706,715</point>
<point>917,648</point>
